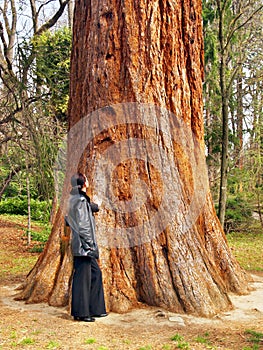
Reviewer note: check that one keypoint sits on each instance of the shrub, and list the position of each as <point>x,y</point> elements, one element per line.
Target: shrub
<point>238,212</point>
<point>18,206</point>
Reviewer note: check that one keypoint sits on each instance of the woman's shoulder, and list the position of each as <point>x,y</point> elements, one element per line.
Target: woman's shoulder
<point>77,198</point>
<point>84,195</point>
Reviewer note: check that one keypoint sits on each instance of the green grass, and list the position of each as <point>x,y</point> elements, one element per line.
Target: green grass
<point>27,341</point>
<point>201,340</point>
<point>181,344</point>
<point>90,341</point>
<point>177,337</point>
<point>22,220</point>
<point>247,248</point>
<point>11,266</point>
<point>166,347</point>
<point>254,337</point>
<point>52,345</point>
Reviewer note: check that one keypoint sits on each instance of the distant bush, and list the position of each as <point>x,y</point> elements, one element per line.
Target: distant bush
<point>18,206</point>
<point>238,213</point>
<point>41,236</point>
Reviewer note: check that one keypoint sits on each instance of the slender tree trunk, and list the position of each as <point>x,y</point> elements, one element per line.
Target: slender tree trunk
<point>208,120</point>
<point>240,118</point>
<point>224,163</point>
<point>28,211</point>
<point>257,145</point>
<point>259,209</point>
<point>225,119</point>
<point>70,13</point>
<point>224,150</point>
<point>136,90</point>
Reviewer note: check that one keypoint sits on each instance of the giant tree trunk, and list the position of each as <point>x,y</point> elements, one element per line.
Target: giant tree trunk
<point>136,130</point>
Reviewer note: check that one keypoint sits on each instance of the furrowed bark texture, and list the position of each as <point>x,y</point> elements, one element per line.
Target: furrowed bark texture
<point>148,52</point>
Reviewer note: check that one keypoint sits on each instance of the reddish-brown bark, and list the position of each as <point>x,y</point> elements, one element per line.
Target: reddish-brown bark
<point>151,53</point>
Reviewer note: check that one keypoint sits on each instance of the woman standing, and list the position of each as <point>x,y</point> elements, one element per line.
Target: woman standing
<point>87,289</point>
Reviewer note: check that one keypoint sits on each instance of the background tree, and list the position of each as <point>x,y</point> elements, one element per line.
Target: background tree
<point>211,93</point>
<point>152,55</point>
<point>34,65</point>
<point>254,150</point>
<point>228,29</point>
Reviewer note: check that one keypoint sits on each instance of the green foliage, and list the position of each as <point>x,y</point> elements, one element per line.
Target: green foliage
<point>166,347</point>
<point>43,76</point>
<point>255,337</point>
<point>238,212</point>
<point>209,13</point>
<point>90,341</point>
<point>202,339</point>
<point>13,189</point>
<point>27,341</point>
<point>52,345</point>
<point>177,337</point>
<point>52,66</point>
<point>41,236</point>
<point>18,206</point>
<point>42,175</point>
<point>237,45</point>
<point>13,335</point>
<point>181,344</point>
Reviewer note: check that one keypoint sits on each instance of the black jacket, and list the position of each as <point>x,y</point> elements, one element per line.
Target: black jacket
<point>82,224</point>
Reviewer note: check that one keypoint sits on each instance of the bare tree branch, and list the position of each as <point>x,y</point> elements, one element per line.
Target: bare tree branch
<point>5,46</point>
<point>10,176</point>
<point>34,14</point>
<point>235,29</point>
<point>12,33</point>
<point>52,21</point>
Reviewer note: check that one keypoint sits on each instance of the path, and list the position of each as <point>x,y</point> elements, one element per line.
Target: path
<point>39,326</point>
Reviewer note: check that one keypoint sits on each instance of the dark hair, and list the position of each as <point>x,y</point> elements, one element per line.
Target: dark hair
<point>78,180</point>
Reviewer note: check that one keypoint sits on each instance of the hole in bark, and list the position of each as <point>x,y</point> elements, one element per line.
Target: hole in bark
<point>106,139</point>
<point>165,252</point>
<point>109,56</point>
<point>108,16</point>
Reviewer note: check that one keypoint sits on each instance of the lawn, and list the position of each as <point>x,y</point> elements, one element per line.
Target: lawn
<point>248,249</point>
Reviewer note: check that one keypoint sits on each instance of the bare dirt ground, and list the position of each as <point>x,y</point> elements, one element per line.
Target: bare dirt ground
<point>39,326</point>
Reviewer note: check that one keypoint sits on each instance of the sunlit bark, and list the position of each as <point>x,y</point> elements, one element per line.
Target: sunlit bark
<point>149,53</point>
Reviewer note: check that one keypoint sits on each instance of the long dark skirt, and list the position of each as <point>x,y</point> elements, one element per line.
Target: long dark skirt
<point>87,288</point>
